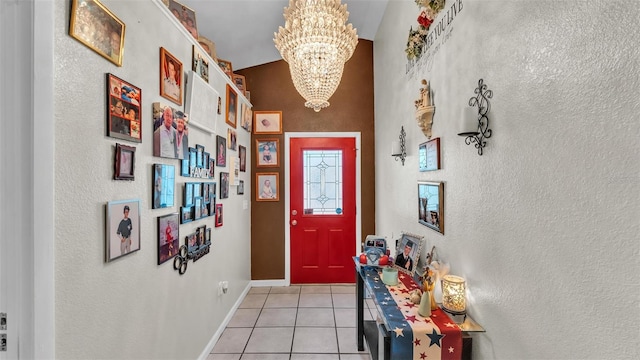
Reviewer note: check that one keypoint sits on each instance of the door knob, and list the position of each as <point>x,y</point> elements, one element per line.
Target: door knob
<point>294,223</point>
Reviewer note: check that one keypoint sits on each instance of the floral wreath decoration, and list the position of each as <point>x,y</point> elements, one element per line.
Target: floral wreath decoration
<point>429,9</point>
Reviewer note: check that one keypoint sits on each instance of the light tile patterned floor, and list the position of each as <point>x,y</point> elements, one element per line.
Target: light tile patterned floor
<point>308,322</point>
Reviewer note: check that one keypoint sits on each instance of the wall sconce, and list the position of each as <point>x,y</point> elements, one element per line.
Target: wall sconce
<point>453,295</point>
<point>476,127</point>
<point>398,149</point>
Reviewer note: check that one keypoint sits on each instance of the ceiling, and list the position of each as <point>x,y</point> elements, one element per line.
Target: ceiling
<point>243,29</point>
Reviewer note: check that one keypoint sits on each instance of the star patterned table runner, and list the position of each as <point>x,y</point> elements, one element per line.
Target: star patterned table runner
<point>413,336</point>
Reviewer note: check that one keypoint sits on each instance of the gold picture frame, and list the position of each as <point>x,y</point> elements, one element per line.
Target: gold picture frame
<point>170,77</point>
<point>267,122</point>
<point>97,28</point>
<point>267,186</point>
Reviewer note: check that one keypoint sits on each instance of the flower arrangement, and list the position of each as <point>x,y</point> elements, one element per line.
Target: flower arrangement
<point>429,9</point>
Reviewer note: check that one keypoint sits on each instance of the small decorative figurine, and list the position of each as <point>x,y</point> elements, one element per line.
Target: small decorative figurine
<point>424,109</point>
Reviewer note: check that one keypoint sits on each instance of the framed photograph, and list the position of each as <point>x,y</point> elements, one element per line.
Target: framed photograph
<point>224,185</point>
<point>170,127</point>
<point>125,162</point>
<point>200,64</point>
<point>164,177</point>
<point>218,215</point>
<point>199,156</point>
<point>242,154</point>
<point>226,67</point>
<point>205,160</point>
<point>232,108</point>
<point>219,105</point>
<point>431,205</point>
<point>205,192</point>
<point>212,165</point>
<point>247,117</point>
<point>193,160</point>
<point>168,237</point>
<point>408,253</point>
<point>123,228</point>
<point>267,151</point>
<point>188,194</point>
<point>197,190</point>
<point>186,214</point>
<point>184,167</point>
<point>241,187</point>
<point>170,77</point>
<point>98,28</point>
<point>208,46</point>
<point>240,82</point>
<point>221,151</point>
<point>186,16</point>
<point>247,94</point>
<point>267,187</point>
<point>198,207</point>
<point>429,155</point>
<point>232,137</point>
<point>207,235</point>
<point>267,122</point>
<point>124,116</point>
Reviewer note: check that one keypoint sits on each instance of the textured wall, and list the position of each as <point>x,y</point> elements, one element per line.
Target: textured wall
<point>131,308</point>
<point>351,110</point>
<point>544,225</point>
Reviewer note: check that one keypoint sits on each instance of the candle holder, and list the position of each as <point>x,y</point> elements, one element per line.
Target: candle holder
<point>453,295</point>
<point>481,100</point>
<point>401,151</point>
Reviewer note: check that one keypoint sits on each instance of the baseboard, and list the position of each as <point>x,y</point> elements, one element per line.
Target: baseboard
<point>205,353</point>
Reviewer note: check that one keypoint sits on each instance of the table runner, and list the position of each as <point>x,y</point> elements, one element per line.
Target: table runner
<point>413,336</point>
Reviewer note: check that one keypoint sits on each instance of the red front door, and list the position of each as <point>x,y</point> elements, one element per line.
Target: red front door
<point>322,221</point>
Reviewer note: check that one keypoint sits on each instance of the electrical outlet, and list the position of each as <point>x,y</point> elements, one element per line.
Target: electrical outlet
<point>223,286</point>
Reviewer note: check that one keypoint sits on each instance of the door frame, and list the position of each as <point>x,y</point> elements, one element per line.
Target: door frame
<point>287,191</point>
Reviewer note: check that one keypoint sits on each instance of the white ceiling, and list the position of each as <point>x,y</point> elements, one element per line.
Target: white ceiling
<point>243,29</point>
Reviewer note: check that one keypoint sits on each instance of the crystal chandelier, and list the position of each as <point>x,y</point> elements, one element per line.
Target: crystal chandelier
<point>316,43</point>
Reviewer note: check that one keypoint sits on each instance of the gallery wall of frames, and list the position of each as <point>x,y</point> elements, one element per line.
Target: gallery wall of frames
<point>158,131</point>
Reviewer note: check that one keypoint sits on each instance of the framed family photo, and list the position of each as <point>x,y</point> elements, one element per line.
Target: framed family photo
<point>186,16</point>
<point>168,236</point>
<point>170,127</point>
<point>431,205</point>
<point>97,28</point>
<point>267,151</point>
<point>123,228</point>
<point>408,253</point>
<point>170,77</point>
<point>124,118</point>
<point>267,122</point>
<point>232,108</point>
<point>164,177</point>
<point>125,162</point>
<point>267,187</point>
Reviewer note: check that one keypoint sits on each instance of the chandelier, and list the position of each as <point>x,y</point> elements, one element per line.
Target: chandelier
<point>316,43</point>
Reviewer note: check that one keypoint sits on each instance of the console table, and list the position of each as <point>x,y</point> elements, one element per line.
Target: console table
<point>386,334</point>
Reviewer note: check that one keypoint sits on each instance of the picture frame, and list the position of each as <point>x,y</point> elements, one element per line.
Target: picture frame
<point>197,201</point>
<point>208,46</point>
<point>199,156</point>
<point>226,67</point>
<point>170,77</point>
<point>124,118</point>
<point>95,26</point>
<point>267,122</point>
<point>219,105</point>
<point>241,187</point>
<point>170,127</point>
<point>168,237</point>
<point>197,191</point>
<point>221,151</point>
<point>193,160</point>
<point>199,63</point>
<point>186,214</point>
<point>205,193</point>
<point>125,162</point>
<point>205,160</point>
<point>240,82</point>
<point>207,236</point>
<point>247,117</point>
<point>122,228</point>
<point>429,155</point>
<point>408,253</point>
<point>231,117</point>
<point>224,185</point>
<point>267,186</point>
<point>267,152</point>
<point>186,16</point>
<point>218,219</point>
<point>212,166</point>
<point>242,154</point>
<point>187,199</point>
<point>163,186</point>
<point>232,137</point>
<point>247,94</point>
<point>431,205</point>
<point>184,167</point>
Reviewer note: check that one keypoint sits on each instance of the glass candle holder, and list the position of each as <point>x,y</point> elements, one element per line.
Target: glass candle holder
<point>453,294</point>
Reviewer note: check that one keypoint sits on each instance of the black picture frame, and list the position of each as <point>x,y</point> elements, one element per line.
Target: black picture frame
<point>221,151</point>
<point>188,195</point>
<point>163,186</point>
<point>241,187</point>
<point>199,156</point>
<point>124,114</point>
<point>168,237</point>
<point>125,161</point>
<point>186,214</point>
<point>197,204</point>
<point>224,185</point>
<point>184,167</point>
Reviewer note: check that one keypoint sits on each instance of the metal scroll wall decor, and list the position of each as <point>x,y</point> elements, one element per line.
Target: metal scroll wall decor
<point>481,100</point>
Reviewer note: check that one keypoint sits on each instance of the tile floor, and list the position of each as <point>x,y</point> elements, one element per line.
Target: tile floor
<point>308,322</point>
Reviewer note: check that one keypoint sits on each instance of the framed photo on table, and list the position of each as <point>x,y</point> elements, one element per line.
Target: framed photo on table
<point>408,253</point>
<point>124,118</point>
<point>267,122</point>
<point>125,162</point>
<point>170,77</point>
<point>267,187</point>
<point>123,228</point>
<point>429,155</point>
<point>431,205</point>
<point>97,28</point>
<point>267,151</point>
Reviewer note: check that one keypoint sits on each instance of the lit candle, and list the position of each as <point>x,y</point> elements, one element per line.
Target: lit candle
<point>469,123</point>
<point>453,294</point>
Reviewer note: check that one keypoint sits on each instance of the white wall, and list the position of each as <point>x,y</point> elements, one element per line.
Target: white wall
<point>132,307</point>
<point>544,225</point>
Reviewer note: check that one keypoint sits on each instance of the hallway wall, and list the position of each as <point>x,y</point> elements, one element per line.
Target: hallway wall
<point>544,225</point>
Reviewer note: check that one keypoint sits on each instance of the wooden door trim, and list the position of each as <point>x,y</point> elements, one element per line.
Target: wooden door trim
<point>287,190</point>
